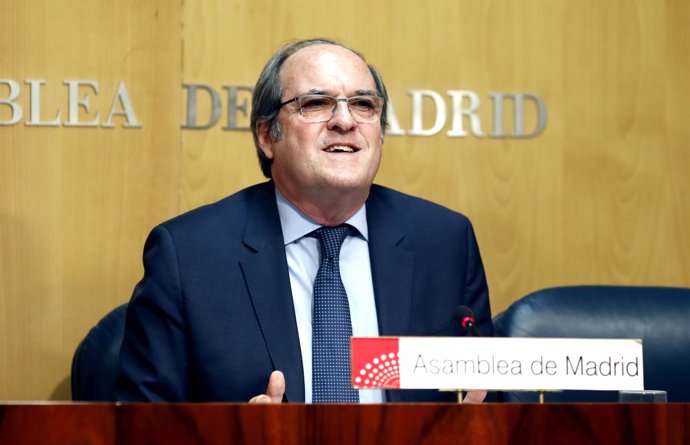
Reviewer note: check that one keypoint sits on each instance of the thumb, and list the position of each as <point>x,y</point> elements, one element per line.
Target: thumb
<point>276,387</point>
<point>475,396</point>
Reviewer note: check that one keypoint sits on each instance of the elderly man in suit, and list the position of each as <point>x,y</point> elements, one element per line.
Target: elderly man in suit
<point>244,300</point>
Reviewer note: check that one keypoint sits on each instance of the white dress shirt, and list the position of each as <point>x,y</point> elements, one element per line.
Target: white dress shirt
<point>303,257</point>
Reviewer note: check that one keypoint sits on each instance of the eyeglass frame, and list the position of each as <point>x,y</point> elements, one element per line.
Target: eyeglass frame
<point>339,99</point>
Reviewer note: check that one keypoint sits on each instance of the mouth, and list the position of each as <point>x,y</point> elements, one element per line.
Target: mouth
<point>341,149</point>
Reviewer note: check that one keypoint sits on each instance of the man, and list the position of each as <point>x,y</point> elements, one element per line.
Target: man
<point>226,310</point>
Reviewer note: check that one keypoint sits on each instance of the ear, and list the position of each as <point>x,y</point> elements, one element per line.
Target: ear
<point>264,139</point>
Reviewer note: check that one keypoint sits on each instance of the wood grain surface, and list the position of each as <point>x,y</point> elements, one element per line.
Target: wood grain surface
<point>490,424</point>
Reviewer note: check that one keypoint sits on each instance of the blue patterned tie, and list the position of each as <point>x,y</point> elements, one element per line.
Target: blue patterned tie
<point>332,329</point>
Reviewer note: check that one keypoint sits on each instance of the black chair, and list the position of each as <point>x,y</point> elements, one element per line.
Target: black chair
<point>95,364</point>
<point>660,316</point>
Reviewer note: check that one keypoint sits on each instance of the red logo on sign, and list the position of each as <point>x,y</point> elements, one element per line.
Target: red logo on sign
<point>375,363</point>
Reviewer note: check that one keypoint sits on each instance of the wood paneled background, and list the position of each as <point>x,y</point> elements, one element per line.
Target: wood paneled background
<point>601,196</point>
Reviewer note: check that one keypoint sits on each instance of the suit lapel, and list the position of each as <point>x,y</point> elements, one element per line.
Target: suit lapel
<point>266,273</point>
<point>392,266</point>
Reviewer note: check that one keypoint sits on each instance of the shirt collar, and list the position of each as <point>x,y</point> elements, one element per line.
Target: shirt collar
<point>296,224</point>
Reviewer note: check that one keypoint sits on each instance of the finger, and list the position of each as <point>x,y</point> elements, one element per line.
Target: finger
<point>475,397</point>
<point>276,387</point>
<point>260,399</point>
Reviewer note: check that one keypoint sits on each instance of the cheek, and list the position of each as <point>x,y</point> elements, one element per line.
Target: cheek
<point>296,156</point>
<point>301,140</point>
<point>376,162</point>
<point>374,137</point>
<point>376,145</point>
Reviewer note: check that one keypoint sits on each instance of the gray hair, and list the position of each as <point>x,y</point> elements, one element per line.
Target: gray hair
<point>268,92</point>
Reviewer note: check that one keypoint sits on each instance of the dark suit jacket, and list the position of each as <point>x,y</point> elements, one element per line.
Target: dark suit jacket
<point>213,315</point>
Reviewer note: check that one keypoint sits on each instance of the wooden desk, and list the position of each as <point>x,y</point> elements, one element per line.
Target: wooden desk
<point>393,424</point>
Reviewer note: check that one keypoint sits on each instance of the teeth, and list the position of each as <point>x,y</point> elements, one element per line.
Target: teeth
<point>340,149</point>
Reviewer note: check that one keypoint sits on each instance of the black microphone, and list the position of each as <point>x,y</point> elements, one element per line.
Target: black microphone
<point>466,318</point>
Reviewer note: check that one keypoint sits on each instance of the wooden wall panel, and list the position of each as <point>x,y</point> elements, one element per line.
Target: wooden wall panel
<point>77,202</point>
<point>599,197</point>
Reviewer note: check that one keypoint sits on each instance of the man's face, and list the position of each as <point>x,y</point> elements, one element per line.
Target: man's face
<point>304,159</point>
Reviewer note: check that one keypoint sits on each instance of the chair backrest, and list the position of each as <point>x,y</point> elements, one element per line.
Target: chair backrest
<point>660,316</point>
<point>96,362</point>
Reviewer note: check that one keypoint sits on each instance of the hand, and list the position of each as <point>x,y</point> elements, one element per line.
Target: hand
<point>275,390</point>
<point>475,397</point>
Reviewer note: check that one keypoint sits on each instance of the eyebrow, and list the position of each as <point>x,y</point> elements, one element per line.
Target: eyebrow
<point>328,93</point>
<point>366,93</point>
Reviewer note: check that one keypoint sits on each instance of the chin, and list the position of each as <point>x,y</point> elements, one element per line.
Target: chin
<point>349,182</point>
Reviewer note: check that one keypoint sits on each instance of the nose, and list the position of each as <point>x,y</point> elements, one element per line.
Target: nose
<point>342,118</point>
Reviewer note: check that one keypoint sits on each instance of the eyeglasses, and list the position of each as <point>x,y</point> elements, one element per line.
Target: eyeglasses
<point>320,107</point>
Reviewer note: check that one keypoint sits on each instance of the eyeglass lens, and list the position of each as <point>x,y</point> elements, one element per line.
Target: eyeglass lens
<point>320,108</point>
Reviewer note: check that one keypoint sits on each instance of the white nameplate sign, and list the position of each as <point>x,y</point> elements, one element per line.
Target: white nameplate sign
<point>466,363</point>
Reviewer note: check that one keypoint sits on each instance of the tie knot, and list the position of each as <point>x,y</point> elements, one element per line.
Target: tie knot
<point>331,239</point>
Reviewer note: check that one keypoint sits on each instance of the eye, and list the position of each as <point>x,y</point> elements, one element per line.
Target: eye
<point>362,103</point>
<point>316,102</point>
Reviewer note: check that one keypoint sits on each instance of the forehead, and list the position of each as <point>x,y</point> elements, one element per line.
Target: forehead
<point>327,68</point>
